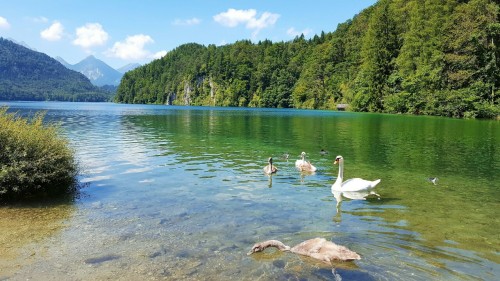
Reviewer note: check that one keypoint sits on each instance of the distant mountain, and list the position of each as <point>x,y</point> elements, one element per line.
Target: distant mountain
<point>29,75</point>
<point>63,62</point>
<point>97,71</point>
<point>128,67</point>
<point>22,43</point>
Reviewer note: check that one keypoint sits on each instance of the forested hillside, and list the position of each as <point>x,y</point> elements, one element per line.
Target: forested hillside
<point>434,57</point>
<point>34,76</point>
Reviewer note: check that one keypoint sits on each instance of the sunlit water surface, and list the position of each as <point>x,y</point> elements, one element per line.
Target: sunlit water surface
<point>178,193</point>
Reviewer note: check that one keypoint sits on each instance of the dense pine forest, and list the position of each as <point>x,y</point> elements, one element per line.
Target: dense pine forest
<point>432,57</point>
<point>33,76</point>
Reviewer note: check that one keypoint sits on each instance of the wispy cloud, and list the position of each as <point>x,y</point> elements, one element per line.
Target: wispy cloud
<point>90,35</point>
<point>53,32</point>
<point>292,32</point>
<point>192,21</point>
<point>4,24</point>
<point>249,18</point>
<point>39,19</point>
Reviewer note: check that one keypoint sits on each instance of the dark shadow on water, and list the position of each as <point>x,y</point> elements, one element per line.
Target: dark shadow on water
<point>45,199</point>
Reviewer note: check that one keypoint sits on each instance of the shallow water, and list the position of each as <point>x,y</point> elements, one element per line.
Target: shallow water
<point>178,193</point>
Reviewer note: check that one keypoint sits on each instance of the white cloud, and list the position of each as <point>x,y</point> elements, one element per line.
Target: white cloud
<point>132,48</point>
<point>53,33</point>
<point>292,32</point>
<point>92,34</point>
<point>193,21</point>
<point>159,55</point>
<point>4,24</point>
<point>233,18</point>
<point>265,20</point>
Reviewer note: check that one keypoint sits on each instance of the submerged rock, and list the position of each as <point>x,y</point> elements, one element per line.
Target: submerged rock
<point>99,260</point>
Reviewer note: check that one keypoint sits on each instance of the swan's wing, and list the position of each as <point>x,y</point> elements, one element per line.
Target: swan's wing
<point>338,252</point>
<point>267,169</point>
<point>305,166</point>
<point>356,195</point>
<point>308,247</point>
<point>311,167</point>
<point>358,184</point>
<point>270,169</point>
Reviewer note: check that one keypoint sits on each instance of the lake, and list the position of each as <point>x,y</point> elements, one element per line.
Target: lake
<point>178,193</point>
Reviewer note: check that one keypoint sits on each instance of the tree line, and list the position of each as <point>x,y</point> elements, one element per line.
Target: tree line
<point>432,57</point>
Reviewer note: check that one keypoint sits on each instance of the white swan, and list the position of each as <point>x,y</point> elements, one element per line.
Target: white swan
<point>355,184</point>
<point>270,169</point>
<point>303,165</point>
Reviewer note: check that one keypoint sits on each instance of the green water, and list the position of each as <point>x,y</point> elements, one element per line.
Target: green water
<point>178,193</point>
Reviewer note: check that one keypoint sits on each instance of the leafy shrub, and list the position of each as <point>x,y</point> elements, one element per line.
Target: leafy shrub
<point>34,160</point>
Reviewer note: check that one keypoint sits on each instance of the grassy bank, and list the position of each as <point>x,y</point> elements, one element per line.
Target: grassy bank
<point>35,161</point>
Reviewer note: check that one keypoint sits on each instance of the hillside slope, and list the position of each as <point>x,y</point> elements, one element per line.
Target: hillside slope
<point>29,75</point>
<point>398,56</point>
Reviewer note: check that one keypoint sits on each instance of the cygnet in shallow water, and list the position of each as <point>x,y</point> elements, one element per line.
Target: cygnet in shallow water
<point>317,248</point>
<point>270,168</point>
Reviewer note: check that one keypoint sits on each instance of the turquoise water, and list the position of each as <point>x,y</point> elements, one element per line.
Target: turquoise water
<point>178,193</point>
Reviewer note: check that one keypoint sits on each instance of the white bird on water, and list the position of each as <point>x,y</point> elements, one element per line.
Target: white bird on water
<point>355,184</point>
<point>303,165</point>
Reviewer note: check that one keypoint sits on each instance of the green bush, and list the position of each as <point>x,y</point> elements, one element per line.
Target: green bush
<point>34,160</point>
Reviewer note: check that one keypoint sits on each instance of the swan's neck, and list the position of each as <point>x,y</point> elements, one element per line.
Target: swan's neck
<point>341,171</point>
<point>274,243</point>
<point>340,176</point>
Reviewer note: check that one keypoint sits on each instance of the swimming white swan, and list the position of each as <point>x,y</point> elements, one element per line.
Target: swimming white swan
<point>270,169</point>
<point>303,165</point>
<point>355,184</point>
<point>317,248</point>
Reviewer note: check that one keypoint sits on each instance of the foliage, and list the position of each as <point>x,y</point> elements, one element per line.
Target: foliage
<point>434,57</point>
<point>34,159</point>
<point>33,76</point>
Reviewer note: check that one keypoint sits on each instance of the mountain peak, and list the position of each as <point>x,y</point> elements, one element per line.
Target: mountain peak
<point>97,71</point>
<point>91,58</point>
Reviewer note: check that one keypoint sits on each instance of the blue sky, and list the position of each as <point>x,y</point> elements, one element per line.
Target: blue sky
<point>122,32</point>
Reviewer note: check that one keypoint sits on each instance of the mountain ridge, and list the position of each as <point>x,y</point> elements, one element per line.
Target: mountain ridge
<point>99,72</point>
<point>26,74</point>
